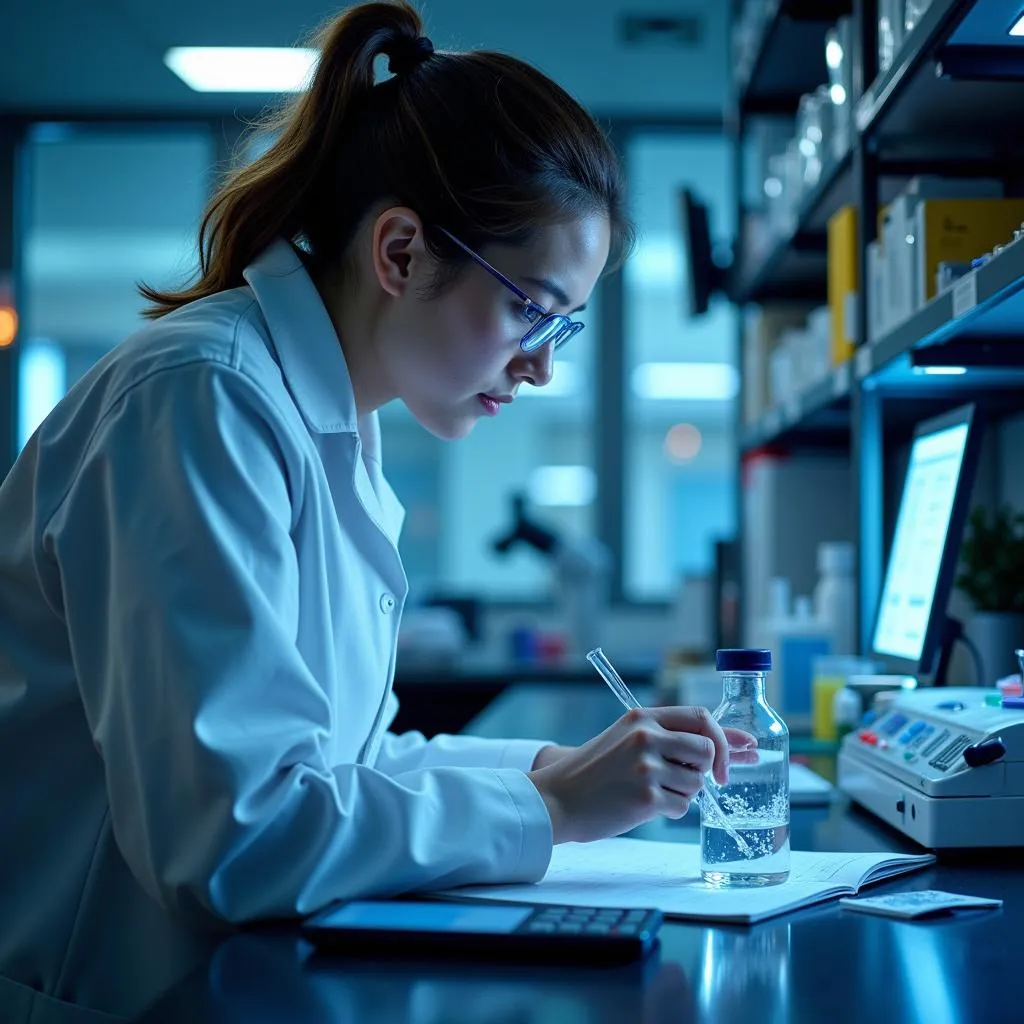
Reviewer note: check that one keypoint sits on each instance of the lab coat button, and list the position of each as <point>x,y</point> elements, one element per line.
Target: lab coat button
<point>387,603</point>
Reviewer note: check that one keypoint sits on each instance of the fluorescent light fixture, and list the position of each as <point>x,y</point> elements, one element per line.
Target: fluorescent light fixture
<point>656,261</point>
<point>80,256</point>
<point>242,68</point>
<point>941,371</point>
<point>43,382</point>
<point>837,93</point>
<point>1017,28</point>
<point>566,486</point>
<point>833,54</point>
<point>706,382</point>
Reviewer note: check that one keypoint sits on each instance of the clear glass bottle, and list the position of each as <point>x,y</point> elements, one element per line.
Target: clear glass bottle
<point>751,847</point>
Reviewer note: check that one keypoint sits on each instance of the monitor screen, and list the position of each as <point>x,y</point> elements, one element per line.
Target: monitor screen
<point>919,543</point>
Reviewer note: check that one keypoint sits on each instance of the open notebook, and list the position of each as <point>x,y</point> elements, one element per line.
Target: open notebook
<point>644,873</point>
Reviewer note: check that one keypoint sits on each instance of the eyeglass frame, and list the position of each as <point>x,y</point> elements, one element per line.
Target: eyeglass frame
<point>536,315</point>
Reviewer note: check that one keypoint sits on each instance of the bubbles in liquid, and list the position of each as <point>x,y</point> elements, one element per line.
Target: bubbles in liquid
<point>756,803</point>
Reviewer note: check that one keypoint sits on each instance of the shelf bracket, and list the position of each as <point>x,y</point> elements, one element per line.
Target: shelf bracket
<point>981,63</point>
<point>972,352</point>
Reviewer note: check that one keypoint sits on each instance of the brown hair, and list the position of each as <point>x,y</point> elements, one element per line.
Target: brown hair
<point>480,143</point>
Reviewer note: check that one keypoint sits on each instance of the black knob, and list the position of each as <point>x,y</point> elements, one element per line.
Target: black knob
<point>900,806</point>
<point>986,752</point>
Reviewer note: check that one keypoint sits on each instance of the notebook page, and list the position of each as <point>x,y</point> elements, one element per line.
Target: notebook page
<point>644,873</point>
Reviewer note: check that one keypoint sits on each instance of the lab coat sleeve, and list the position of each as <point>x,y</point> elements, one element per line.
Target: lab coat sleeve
<point>181,595</point>
<point>402,752</point>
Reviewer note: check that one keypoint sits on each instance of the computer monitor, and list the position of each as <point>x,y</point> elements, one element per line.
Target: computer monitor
<point>913,633</point>
<point>705,276</point>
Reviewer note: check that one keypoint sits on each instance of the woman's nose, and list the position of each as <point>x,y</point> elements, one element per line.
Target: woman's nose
<point>537,367</point>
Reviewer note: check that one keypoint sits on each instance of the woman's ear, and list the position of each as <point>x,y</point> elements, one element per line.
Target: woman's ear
<point>399,254</point>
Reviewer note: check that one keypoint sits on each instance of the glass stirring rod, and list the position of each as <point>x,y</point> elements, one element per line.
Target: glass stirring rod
<point>607,672</point>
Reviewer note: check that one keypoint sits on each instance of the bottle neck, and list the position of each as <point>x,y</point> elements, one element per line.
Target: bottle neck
<point>743,686</point>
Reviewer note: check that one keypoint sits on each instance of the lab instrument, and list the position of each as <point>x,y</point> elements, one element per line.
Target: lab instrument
<point>944,765</point>
<point>580,567</point>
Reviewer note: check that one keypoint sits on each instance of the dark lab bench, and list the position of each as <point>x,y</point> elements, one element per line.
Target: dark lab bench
<point>824,964</point>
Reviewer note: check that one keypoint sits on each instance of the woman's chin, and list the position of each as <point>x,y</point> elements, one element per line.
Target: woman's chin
<point>451,427</point>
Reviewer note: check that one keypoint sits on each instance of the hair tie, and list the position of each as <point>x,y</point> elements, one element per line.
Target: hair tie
<point>407,54</point>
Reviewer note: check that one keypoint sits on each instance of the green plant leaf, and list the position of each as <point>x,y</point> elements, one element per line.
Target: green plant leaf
<point>991,569</point>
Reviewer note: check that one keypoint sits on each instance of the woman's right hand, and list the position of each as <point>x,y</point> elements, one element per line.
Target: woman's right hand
<point>651,761</point>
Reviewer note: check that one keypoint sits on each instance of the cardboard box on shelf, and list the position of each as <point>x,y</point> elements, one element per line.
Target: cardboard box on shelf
<point>842,280</point>
<point>893,280</point>
<point>899,235</point>
<point>878,320</point>
<point>958,231</point>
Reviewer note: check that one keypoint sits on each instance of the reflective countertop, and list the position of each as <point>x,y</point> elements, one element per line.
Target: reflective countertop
<point>821,964</point>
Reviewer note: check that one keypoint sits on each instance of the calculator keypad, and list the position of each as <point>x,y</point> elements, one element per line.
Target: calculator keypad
<point>593,921</point>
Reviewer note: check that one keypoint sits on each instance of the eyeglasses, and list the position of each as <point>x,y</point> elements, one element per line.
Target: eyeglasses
<point>545,327</point>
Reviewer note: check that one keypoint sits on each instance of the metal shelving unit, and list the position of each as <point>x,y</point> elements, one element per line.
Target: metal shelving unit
<point>947,105</point>
<point>978,321</point>
<point>794,267</point>
<point>771,80</point>
<point>821,416</point>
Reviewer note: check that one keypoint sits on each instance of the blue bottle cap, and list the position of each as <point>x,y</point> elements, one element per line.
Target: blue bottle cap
<point>749,659</point>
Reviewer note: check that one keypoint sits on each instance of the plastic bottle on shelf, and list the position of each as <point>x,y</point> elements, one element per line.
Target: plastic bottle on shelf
<point>834,595</point>
<point>847,711</point>
<point>797,641</point>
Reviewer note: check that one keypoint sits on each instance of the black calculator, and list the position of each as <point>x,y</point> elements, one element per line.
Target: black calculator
<point>503,931</point>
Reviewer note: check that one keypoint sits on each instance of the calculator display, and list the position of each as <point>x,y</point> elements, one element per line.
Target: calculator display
<point>440,917</point>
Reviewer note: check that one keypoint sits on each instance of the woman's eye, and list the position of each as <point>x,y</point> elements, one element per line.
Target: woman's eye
<point>521,312</point>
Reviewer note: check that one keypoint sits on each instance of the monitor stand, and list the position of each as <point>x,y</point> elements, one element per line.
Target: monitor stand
<point>953,630</point>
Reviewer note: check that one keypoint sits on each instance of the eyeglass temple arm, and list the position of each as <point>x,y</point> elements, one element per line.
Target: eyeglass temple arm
<point>491,270</point>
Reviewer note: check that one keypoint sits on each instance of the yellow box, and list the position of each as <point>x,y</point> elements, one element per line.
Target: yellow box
<point>823,694</point>
<point>843,281</point>
<point>958,230</point>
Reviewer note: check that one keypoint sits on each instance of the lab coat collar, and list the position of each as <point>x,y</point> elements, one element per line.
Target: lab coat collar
<point>316,373</point>
<point>307,345</point>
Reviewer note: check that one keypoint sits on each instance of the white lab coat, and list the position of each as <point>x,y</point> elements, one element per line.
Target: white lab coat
<point>200,594</point>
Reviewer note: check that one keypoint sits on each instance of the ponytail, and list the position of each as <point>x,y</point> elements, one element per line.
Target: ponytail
<point>265,200</point>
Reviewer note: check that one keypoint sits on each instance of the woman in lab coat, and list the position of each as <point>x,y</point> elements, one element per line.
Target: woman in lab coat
<point>200,586</point>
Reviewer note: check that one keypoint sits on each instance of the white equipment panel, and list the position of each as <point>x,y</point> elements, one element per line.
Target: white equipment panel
<point>943,767</point>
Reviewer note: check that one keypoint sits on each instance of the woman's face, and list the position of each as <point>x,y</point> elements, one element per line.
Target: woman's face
<point>456,358</point>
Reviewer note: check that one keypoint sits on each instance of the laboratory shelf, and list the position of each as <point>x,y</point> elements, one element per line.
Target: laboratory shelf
<point>789,59</point>
<point>795,266</point>
<point>943,98</point>
<point>793,269</point>
<point>917,51</point>
<point>978,322</point>
<point>818,418</point>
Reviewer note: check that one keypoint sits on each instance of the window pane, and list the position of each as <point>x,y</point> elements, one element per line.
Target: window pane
<point>458,494</point>
<point>106,210</point>
<point>682,380</point>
